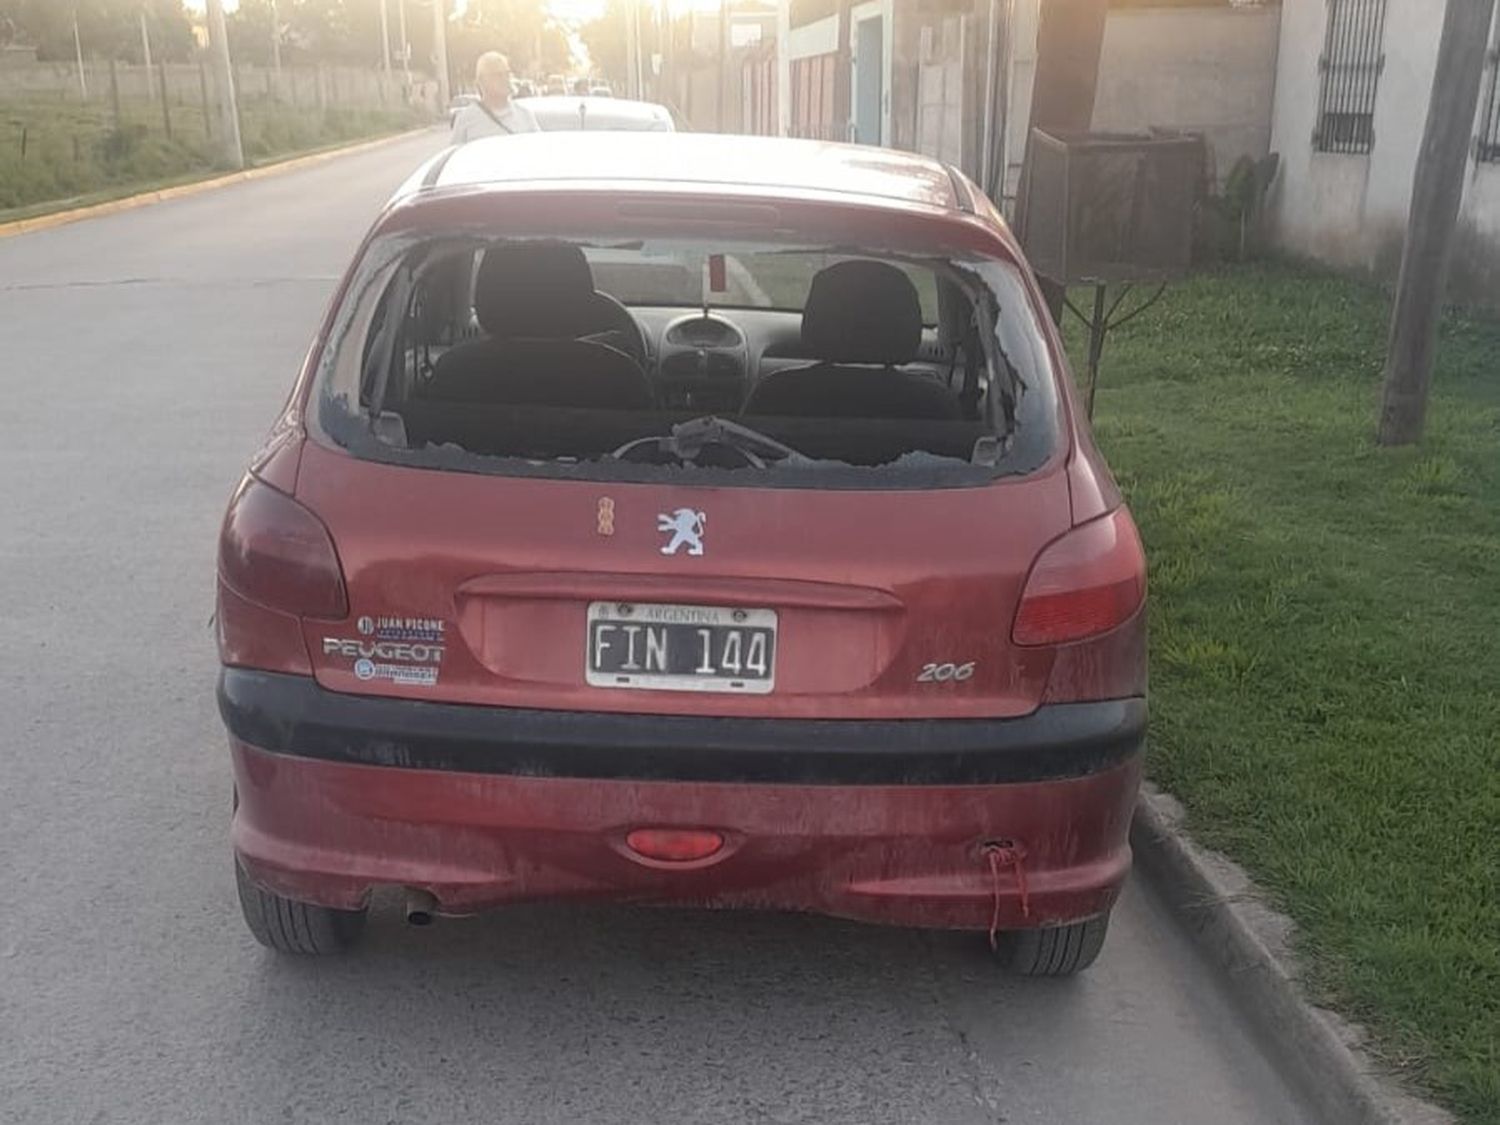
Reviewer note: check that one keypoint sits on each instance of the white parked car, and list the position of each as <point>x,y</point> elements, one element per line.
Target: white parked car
<point>571,114</point>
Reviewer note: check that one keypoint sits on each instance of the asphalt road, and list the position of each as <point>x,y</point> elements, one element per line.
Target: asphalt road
<point>142,356</point>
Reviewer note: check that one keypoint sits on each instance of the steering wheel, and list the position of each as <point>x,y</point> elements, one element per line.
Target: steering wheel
<point>620,330</point>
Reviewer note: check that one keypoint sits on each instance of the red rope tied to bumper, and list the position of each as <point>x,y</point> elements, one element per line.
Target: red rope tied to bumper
<point>1002,856</point>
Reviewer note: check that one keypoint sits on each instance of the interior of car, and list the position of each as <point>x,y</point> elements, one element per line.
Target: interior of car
<point>552,350</point>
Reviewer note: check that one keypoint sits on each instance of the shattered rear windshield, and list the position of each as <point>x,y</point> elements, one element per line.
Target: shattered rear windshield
<point>637,360</point>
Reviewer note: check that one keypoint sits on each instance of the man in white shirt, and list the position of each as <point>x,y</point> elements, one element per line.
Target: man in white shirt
<point>494,115</point>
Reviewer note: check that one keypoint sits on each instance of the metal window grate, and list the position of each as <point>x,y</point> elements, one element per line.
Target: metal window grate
<point>1351,64</point>
<point>1487,150</point>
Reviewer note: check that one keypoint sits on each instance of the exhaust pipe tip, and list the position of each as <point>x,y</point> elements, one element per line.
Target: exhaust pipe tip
<point>421,908</point>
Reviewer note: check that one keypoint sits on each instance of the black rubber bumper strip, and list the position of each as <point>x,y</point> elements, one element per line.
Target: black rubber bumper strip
<point>292,715</point>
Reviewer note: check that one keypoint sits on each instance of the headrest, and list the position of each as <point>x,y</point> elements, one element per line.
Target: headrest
<point>862,312</point>
<point>540,290</point>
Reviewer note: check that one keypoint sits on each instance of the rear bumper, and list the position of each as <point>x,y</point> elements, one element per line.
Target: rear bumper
<point>883,822</point>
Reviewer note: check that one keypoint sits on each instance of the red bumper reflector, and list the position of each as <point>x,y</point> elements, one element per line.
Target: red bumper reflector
<point>674,845</point>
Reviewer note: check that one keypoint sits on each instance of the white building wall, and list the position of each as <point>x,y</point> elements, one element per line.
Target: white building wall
<point>1200,70</point>
<point>1351,210</point>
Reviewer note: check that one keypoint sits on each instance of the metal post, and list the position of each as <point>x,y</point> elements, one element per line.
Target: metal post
<point>146,50</point>
<point>208,113</point>
<point>166,107</point>
<point>1098,326</point>
<point>114,91</point>
<point>83,83</point>
<point>231,153</point>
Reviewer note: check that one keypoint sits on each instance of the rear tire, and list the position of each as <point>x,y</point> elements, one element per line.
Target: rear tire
<point>289,926</point>
<point>1054,951</point>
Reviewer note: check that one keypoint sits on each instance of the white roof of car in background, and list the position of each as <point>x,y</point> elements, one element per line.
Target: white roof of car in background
<point>699,159</point>
<point>561,112</point>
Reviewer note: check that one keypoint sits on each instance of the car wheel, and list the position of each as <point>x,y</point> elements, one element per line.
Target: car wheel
<point>1054,951</point>
<point>289,926</point>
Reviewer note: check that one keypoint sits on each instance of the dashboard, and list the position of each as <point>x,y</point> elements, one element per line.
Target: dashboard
<point>708,362</point>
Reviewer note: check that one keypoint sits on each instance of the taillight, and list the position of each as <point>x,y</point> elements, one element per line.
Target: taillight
<point>277,554</point>
<point>1088,582</point>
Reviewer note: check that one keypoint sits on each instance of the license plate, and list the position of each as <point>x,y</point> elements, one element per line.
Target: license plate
<point>681,648</point>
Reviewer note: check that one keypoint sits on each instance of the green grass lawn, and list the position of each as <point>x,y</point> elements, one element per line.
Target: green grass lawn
<point>74,154</point>
<point>1326,639</point>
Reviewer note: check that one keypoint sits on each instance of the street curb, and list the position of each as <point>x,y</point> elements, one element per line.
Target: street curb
<point>1249,943</point>
<point>196,187</point>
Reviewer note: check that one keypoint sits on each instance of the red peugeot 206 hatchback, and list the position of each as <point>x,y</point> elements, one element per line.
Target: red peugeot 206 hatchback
<point>688,520</point>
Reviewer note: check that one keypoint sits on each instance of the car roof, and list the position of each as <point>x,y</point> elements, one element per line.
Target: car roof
<point>601,112</point>
<point>702,160</point>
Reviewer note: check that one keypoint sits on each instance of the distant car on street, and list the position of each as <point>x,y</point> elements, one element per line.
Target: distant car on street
<point>601,90</point>
<point>682,519</point>
<point>602,114</point>
<point>556,85</point>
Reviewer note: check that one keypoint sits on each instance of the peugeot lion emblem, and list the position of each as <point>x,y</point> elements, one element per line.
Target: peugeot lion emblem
<point>686,528</point>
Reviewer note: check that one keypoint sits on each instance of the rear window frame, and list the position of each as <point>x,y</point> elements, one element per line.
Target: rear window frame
<point>338,419</point>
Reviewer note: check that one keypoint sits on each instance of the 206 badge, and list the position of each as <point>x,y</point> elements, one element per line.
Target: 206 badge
<point>686,528</point>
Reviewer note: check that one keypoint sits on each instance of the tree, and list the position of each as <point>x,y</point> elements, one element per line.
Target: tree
<point>107,28</point>
<point>250,31</point>
<point>519,29</point>
<point>605,39</point>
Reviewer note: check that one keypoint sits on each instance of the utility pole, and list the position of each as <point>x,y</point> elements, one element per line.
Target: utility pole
<point>228,131</point>
<point>405,43</point>
<point>385,41</point>
<point>724,43</point>
<point>83,83</point>
<point>640,49</point>
<point>440,51</point>
<point>632,53</point>
<point>843,76</point>
<point>1437,193</point>
<point>275,40</point>
<point>991,58</point>
<point>665,92</point>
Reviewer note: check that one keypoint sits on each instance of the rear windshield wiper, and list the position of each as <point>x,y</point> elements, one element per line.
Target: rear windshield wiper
<point>688,441</point>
